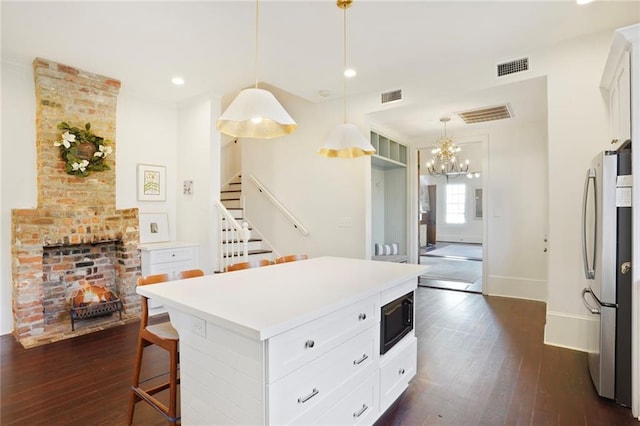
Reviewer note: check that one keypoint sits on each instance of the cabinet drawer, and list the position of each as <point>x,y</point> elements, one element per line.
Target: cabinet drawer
<point>307,391</point>
<point>397,367</point>
<point>359,407</point>
<point>297,347</point>
<point>171,255</point>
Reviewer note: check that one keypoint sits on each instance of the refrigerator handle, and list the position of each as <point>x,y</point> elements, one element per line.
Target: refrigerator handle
<point>591,309</point>
<point>589,271</point>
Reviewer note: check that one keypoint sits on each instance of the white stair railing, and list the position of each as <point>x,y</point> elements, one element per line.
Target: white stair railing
<point>296,224</point>
<point>233,238</point>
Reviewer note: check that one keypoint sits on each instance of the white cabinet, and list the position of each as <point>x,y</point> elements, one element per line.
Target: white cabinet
<point>167,258</point>
<point>620,101</point>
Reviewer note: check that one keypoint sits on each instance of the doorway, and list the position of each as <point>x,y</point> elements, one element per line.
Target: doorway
<point>451,224</point>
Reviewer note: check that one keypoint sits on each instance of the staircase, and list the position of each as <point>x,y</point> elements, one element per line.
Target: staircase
<point>231,198</point>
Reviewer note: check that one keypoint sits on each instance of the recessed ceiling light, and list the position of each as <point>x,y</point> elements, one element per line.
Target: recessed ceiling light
<point>349,72</point>
<point>583,1</point>
<point>178,81</point>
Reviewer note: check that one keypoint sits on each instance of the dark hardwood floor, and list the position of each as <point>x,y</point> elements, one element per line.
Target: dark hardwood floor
<point>481,362</point>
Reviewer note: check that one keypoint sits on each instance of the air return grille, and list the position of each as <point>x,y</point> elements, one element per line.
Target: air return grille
<point>511,67</point>
<point>486,114</point>
<point>392,96</point>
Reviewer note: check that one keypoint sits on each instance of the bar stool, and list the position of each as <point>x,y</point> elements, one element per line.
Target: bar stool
<point>291,258</point>
<point>191,273</point>
<point>248,265</point>
<point>166,337</point>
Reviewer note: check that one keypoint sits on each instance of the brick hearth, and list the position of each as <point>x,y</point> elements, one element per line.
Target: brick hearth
<point>71,210</point>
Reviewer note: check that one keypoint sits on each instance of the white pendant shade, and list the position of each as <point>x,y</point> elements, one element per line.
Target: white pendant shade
<point>346,141</point>
<point>256,113</point>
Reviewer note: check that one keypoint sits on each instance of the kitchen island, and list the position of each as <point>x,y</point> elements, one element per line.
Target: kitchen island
<point>293,343</point>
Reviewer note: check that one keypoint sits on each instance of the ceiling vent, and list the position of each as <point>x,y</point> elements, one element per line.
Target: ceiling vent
<point>512,67</point>
<point>395,95</point>
<point>486,114</point>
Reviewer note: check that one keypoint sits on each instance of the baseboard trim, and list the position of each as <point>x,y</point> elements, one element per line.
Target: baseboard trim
<point>518,288</point>
<point>567,331</point>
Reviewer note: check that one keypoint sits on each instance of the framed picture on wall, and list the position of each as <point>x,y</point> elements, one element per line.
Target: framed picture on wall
<point>152,182</point>
<point>154,227</point>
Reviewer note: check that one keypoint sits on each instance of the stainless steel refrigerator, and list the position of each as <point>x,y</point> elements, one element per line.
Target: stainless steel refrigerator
<point>606,246</point>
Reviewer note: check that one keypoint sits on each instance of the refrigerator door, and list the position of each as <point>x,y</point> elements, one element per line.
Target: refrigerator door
<point>604,241</point>
<point>601,345</point>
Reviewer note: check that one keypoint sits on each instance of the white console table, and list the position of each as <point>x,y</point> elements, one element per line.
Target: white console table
<point>169,258</point>
<point>294,343</point>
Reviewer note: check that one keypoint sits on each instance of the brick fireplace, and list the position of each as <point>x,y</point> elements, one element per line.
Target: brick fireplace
<point>75,217</point>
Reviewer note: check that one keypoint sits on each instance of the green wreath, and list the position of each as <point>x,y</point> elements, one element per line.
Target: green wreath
<point>82,151</point>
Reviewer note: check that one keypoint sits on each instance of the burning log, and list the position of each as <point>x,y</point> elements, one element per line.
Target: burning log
<point>93,301</point>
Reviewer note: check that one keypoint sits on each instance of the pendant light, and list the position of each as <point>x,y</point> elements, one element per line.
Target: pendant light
<point>256,113</point>
<point>346,141</point>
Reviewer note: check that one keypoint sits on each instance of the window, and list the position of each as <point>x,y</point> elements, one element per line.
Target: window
<point>455,203</point>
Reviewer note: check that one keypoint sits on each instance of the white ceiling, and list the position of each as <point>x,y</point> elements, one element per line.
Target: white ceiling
<point>392,44</point>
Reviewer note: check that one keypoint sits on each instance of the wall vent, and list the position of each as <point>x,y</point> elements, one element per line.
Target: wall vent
<point>395,95</point>
<point>482,115</point>
<point>512,67</point>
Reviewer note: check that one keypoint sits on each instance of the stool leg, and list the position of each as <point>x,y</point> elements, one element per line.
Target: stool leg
<point>136,381</point>
<point>173,383</point>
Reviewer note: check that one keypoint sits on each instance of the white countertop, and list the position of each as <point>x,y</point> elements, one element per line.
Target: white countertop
<point>263,302</point>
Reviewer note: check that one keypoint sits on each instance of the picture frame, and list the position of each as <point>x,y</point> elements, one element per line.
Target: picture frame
<point>151,182</point>
<point>154,227</point>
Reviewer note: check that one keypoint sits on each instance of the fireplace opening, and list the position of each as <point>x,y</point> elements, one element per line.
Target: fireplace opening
<point>80,283</point>
<point>93,301</point>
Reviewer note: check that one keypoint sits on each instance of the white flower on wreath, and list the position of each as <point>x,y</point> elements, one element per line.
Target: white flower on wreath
<point>103,151</point>
<point>82,166</point>
<point>67,139</point>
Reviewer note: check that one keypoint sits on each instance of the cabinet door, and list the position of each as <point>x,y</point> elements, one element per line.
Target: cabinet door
<point>620,102</point>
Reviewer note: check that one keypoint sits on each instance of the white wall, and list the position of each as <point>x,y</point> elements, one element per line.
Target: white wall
<point>377,205</point>
<point>578,130</point>
<point>145,133</point>
<point>18,168</point>
<point>329,196</point>
<point>199,161</point>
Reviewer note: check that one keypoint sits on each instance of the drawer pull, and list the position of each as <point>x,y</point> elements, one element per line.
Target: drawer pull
<point>360,411</point>
<point>401,371</point>
<point>362,316</point>
<point>361,360</point>
<point>309,344</point>
<point>304,399</point>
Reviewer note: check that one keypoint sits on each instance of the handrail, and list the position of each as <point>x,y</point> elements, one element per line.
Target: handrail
<point>285,212</point>
<point>238,245</point>
<point>229,142</point>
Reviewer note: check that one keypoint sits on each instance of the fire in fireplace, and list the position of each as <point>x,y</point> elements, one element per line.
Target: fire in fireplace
<point>93,301</point>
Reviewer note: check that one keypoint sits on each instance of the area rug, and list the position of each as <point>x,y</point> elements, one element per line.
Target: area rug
<point>446,269</point>
<point>462,251</point>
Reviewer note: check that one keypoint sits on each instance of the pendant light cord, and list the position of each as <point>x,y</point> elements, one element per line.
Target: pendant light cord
<point>344,69</point>
<point>256,53</point>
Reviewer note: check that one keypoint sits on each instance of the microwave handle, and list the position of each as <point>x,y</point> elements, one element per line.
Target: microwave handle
<point>407,312</point>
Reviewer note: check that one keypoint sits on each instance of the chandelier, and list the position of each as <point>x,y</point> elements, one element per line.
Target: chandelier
<point>444,161</point>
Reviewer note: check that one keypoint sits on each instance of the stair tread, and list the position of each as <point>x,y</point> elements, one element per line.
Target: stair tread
<point>250,252</point>
<point>226,191</point>
<point>250,240</point>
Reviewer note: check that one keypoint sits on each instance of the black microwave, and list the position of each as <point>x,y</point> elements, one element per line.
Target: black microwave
<point>396,321</point>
